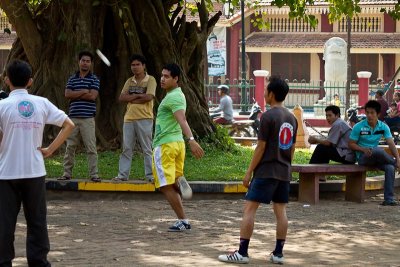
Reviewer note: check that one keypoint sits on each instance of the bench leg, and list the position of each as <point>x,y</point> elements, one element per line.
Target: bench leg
<point>355,187</point>
<point>309,188</point>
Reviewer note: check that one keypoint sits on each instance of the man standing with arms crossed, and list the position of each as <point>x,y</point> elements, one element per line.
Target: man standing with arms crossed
<point>82,90</point>
<point>139,91</point>
<point>22,171</point>
<point>169,146</point>
<point>268,176</point>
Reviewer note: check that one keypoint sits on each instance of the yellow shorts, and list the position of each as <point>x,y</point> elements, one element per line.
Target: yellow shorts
<point>168,161</point>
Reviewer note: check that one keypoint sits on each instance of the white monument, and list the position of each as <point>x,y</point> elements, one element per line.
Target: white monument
<point>335,56</point>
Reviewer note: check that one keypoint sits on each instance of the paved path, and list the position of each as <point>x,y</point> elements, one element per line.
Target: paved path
<point>105,230</point>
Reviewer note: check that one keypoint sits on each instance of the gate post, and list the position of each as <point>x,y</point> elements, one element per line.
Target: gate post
<point>260,87</point>
<point>363,86</point>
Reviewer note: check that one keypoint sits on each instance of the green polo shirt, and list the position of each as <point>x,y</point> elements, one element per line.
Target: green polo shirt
<point>367,137</point>
<point>167,128</point>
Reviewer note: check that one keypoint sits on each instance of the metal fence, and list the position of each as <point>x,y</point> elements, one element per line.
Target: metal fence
<point>235,92</point>
<point>312,96</point>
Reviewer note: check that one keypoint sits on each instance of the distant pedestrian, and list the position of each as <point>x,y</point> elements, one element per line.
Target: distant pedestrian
<point>138,92</point>
<point>384,104</point>
<point>169,146</point>
<point>22,170</point>
<point>268,176</point>
<point>225,105</point>
<point>82,90</point>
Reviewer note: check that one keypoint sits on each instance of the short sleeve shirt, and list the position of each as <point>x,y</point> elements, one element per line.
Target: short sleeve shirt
<point>167,128</point>
<point>367,137</point>
<point>339,135</point>
<point>278,129</point>
<point>140,111</point>
<point>22,121</point>
<point>79,108</point>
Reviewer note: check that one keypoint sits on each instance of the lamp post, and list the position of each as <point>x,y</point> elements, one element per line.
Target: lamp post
<point>243,84</point>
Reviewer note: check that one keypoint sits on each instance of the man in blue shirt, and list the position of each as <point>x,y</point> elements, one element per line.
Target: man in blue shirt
<point>364,140</point>
<point>82,90</point>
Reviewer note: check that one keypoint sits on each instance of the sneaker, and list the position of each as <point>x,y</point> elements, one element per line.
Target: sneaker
<point>235,257</point>
<point>184,188</point>
<point>95,179</point>
<point>150,180</point>
<point>277,259</point>
<point>390,203</point>
<point>118,179</point>
<point>180,226</point>
<point>64,178</point>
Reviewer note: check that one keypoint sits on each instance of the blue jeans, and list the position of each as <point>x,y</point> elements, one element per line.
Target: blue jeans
<point>385,162</point>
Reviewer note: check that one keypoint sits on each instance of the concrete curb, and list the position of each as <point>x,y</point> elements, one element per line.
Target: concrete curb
<point>372,183</point>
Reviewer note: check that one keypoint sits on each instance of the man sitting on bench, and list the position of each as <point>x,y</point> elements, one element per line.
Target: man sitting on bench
<point>364,139</point>
<point>335,147</point>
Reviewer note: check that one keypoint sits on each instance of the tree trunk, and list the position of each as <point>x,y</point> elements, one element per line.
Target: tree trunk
<point>51,39</point>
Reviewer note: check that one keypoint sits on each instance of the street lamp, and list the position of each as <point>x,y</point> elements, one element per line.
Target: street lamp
<point>243,85</point>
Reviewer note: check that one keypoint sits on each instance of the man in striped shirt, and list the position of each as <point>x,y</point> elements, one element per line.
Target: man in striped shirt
<point>82,90</point>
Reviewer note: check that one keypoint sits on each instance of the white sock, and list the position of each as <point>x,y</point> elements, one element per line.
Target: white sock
<point>185,221</point>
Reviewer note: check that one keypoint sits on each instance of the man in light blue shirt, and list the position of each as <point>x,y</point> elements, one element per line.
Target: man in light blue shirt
<point>364,140</point>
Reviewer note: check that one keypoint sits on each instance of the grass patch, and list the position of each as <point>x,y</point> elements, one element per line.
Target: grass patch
<point>216,165</point>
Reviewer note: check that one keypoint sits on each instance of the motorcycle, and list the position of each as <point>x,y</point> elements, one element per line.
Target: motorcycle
<point>249,127</point>
<point>354,117</point>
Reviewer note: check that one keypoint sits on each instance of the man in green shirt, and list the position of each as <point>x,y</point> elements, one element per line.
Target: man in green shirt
<point>169,146</point>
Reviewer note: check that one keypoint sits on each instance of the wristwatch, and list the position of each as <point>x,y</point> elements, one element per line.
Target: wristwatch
<point>191,138</point>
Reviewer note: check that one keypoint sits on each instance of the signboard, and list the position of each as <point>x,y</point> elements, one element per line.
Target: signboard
<point>216,52</point>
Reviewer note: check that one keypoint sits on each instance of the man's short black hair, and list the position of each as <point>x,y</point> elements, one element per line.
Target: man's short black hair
<point>85,53</point>
<point>139,58</point>
<point>279,87</point>
<point>380,92</point>
<point>335,109</point>
<point>374,105</point>
<point>18,72</point>
<point>174,69</point>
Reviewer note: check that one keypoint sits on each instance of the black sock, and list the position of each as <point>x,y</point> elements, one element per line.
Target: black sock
<point>243,247</point>
<point>279,247</point>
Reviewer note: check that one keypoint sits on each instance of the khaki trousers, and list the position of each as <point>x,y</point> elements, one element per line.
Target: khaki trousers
<point>86,128</point>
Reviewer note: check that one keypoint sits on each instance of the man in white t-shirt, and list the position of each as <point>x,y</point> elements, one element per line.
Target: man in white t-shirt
<point>22,171</point>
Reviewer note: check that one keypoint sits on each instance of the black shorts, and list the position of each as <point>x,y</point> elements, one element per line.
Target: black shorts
<point>265,190</point>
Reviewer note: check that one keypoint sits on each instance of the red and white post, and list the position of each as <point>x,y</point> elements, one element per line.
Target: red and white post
<point>260,87</point>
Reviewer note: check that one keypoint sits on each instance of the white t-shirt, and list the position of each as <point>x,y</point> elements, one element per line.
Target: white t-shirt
<point>22,120</point>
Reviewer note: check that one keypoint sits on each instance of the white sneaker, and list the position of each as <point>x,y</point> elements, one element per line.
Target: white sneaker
<point>276,259</point>
<point>184,187</point>
<point>235,257</point>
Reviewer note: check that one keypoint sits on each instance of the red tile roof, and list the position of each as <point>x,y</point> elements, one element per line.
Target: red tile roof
<point>317,40</point>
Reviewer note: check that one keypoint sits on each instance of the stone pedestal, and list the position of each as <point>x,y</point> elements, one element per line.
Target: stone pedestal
<point>302,132</point>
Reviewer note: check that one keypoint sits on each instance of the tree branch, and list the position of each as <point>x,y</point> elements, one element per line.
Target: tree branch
<point>19,15</point>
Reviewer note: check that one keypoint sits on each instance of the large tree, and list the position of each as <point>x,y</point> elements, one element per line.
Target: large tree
<point>51,33</point>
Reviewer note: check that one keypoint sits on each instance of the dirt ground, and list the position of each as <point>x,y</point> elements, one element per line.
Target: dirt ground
<point>109,230</point>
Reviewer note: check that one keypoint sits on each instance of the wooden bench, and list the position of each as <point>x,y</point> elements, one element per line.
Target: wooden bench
<point>245,141</point>
<point>310,174</point>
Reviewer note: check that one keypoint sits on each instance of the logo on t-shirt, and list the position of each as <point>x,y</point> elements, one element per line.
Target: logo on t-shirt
<point>286,136</point>
<point>26,109</point>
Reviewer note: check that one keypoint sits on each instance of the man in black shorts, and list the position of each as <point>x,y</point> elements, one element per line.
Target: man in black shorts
<point>271,172</point>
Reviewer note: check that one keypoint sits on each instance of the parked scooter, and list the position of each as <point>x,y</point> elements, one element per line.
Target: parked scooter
<point>354,117</point>
<point>249,127</point>
<point>243,128</point>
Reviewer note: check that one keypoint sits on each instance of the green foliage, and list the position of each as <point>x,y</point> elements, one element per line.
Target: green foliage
<point>219,140</point>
